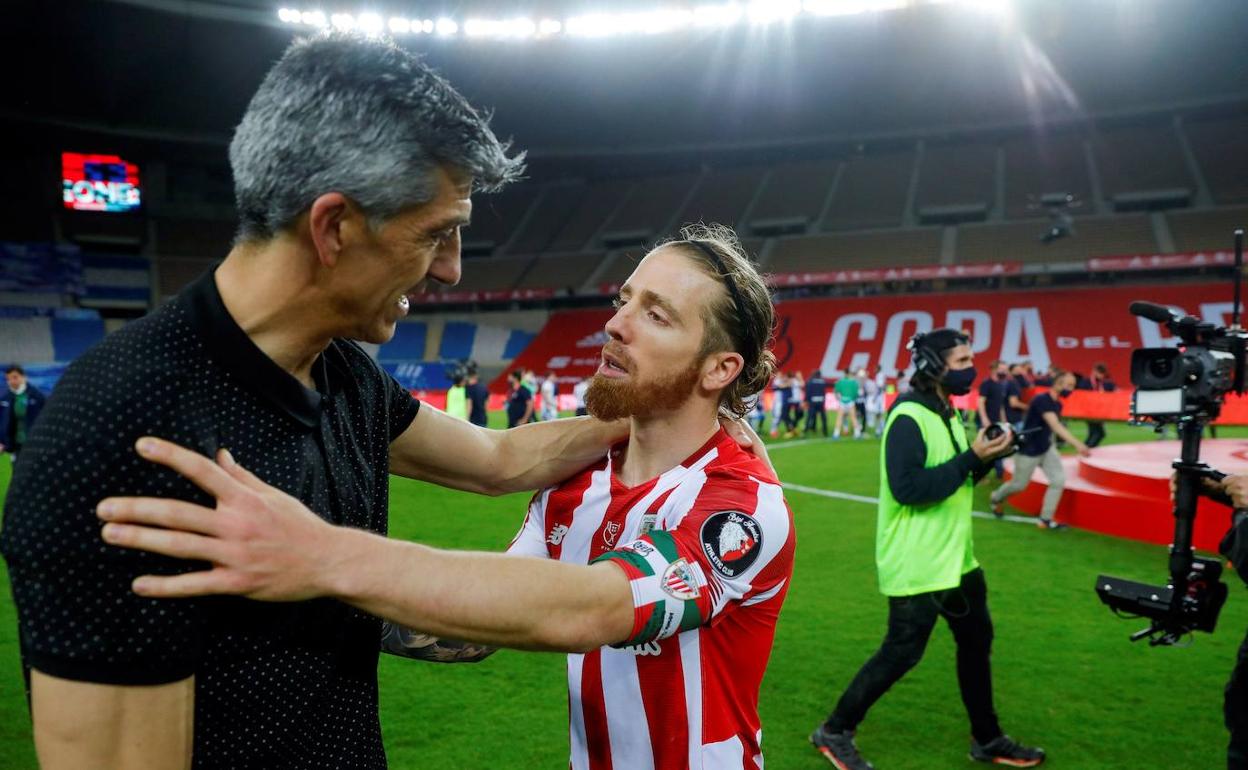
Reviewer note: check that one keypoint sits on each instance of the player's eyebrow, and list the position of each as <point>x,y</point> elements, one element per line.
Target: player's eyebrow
<point>653,298</point>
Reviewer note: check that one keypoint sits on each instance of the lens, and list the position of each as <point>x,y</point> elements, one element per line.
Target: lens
<point>1162,367</point>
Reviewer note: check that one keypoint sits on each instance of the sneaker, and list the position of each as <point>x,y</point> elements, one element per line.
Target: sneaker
<point>1003,750</point>
<point>998,508</point>
<point>1050,524</point>
<point>839,749</point>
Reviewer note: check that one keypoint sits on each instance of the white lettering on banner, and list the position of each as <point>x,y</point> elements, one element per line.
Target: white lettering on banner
<point>893,342</point>
<point>977,323</point>
<point>1150,332</point>
<point>1217,313</point>
<point>1022,324</point>
<point>559,362</point>
<point>1067,343</point>
<point>840,334</point>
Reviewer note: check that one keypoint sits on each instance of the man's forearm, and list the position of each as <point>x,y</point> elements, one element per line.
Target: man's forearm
<point>489,599</point>
<point>538,455</point>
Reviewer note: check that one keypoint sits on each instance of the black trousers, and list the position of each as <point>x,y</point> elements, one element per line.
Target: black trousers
<point>1096,433</point>
<point>814,411</point>
<point>910,623</point>
<point>1235,711</point>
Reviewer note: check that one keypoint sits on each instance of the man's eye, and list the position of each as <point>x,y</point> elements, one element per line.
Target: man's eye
<point>656,317</point>
<point>617,303</point>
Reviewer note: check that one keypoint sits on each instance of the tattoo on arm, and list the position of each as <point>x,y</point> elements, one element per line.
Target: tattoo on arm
<point>406,643</point>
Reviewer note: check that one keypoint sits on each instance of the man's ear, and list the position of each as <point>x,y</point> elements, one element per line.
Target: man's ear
<point>721,369</point>
<point>326,219</point>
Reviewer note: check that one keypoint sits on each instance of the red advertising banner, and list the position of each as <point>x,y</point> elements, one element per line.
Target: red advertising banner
<point>447,297</point>
<point>1162,261</point>
<point>1072,328</point>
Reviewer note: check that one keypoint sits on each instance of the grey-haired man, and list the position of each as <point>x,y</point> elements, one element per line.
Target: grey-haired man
<point>353,167</point>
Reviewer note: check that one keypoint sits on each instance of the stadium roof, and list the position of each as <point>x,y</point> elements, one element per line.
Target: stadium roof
<point>185,69</point>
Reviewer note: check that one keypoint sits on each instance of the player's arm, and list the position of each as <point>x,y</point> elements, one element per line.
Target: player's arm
<point>1050,418</point>
<point>128,727</point>
<point>404,642</point>
<point>266,545</point>
<point>443,450</point>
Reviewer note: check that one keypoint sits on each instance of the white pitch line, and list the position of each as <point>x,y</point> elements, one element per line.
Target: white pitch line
<point>875,500</point>
<point>804,442</point>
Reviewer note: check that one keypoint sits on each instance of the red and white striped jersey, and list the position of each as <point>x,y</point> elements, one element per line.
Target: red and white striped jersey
<point>708,549</point>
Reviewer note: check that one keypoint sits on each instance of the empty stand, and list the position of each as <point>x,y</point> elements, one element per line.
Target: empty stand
<point>836,251</point>
<point>492,273</point>
<point>496,217</point>
<point>723,196</point>
<point>794,195</point>
<point>1209,230</point>
<point>1221,148</point>
<point>957,176</point>
<point>871,192</point>
<point>562,271</point>
<point>205,238</point>
<point>1140,158</point>
<point>589,214</point>
<point>550,214</point>
<point>1043,164</point>
<point>1020,241</point>
<point>651,205</point>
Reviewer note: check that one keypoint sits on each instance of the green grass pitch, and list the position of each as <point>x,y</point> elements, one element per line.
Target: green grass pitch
<point>1065,676</point>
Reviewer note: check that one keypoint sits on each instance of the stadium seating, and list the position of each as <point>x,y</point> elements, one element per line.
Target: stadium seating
<point>207,239</point>
<point>872,191</point>
<point>550,213</point>
<point>1020,241</point>
<point>723,196</point>
<point>792,197</point>
<point>492,273</point>
<point>1140,158</point>
<point>1041,164</point>
<point>562,271</point>
<point>651,207</point>
<point>1220,145</point>
<point>44,336</point>
<point>589,214</point>
<point>496,217</point>
<point>838,251</point>
<point>957,175</point>
<point>1208,230</point>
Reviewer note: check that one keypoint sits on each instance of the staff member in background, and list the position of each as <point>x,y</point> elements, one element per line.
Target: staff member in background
<point>519,401</point>
<point>846,403</point>
<point>781,389</point>
<point>578,393</point>
<point>1038,451</point>
<point>550,397</point>
<point>991,408</point>
<point>816,394</point>
<point>478,397</point>
<point>924,556</point>
<point>1015,405</point>
<point>20,405</point>
<point>874,387</point>
<point>457,396</point>
<point>1098,382</point>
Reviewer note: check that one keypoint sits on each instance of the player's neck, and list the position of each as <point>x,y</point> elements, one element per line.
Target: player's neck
<point>659,443</point>
<point>269,292</point>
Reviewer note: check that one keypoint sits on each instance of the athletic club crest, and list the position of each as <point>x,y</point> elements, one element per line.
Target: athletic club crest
<point>731,541</point>
<point>679,581</point>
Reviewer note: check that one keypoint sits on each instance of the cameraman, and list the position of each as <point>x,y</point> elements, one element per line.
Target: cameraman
<point>924,557</point>
<point>1233,491</point>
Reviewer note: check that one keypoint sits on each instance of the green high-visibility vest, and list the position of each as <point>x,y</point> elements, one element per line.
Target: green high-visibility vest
<point>920,548</point>
<point>457,402</point>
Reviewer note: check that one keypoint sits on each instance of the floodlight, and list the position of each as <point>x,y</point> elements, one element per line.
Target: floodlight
<point>343,21</point>
<point>850,7</point>
<point>592,25</point>
<point>722,15</point>
<point>370,24</point>
<point>550,27</point>
<point>288,15</point>
<point>446,27</point>
<point>426,26</point>
<point>314,19</point>
<point>768,11</point>
<point>400,25</point>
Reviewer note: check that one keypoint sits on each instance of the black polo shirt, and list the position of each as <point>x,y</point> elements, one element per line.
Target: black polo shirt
<point>276,685</point>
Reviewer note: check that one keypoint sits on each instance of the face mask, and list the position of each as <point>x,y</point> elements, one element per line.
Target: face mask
<point>1002,376</point>
<point>958,381</point>
<point>1065,393</point>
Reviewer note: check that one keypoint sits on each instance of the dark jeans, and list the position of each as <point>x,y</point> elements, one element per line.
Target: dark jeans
<point>814,412</point>
<point>1235,711</point>
<point>910,623</point>
<point>1096,433</point>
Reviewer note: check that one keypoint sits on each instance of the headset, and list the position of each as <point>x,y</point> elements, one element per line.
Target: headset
<point>927,361</point>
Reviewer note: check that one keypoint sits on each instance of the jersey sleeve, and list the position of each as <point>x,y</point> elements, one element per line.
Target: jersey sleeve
<point>531,539</point>
<point>403,406</point>
<point>733,549</point>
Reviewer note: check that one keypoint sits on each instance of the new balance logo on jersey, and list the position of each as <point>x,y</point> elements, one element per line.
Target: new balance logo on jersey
<point>731,541</point>
<point>557,534</point>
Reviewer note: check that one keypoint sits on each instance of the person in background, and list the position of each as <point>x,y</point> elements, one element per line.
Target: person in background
<point>847,395</point>
<point>478,397</point>
<point>1015,386</point>
<point>860,403</point>
<point>1019,373</point>
<point>903,382</point>
<point>1098,382</point>
<point>797,403</point>
<point>1038,451</point>
<point>578,392</point>
<point>780,390</point>
<point>519,401</point>
<point>550,397</point>
<point>991,408</point>
<point>816,394</point>
<point>876,384</point>
<point>20,405</point>
<point>457,396</point>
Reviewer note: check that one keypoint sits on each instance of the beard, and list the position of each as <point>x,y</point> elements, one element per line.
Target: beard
<point>610,399</point>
